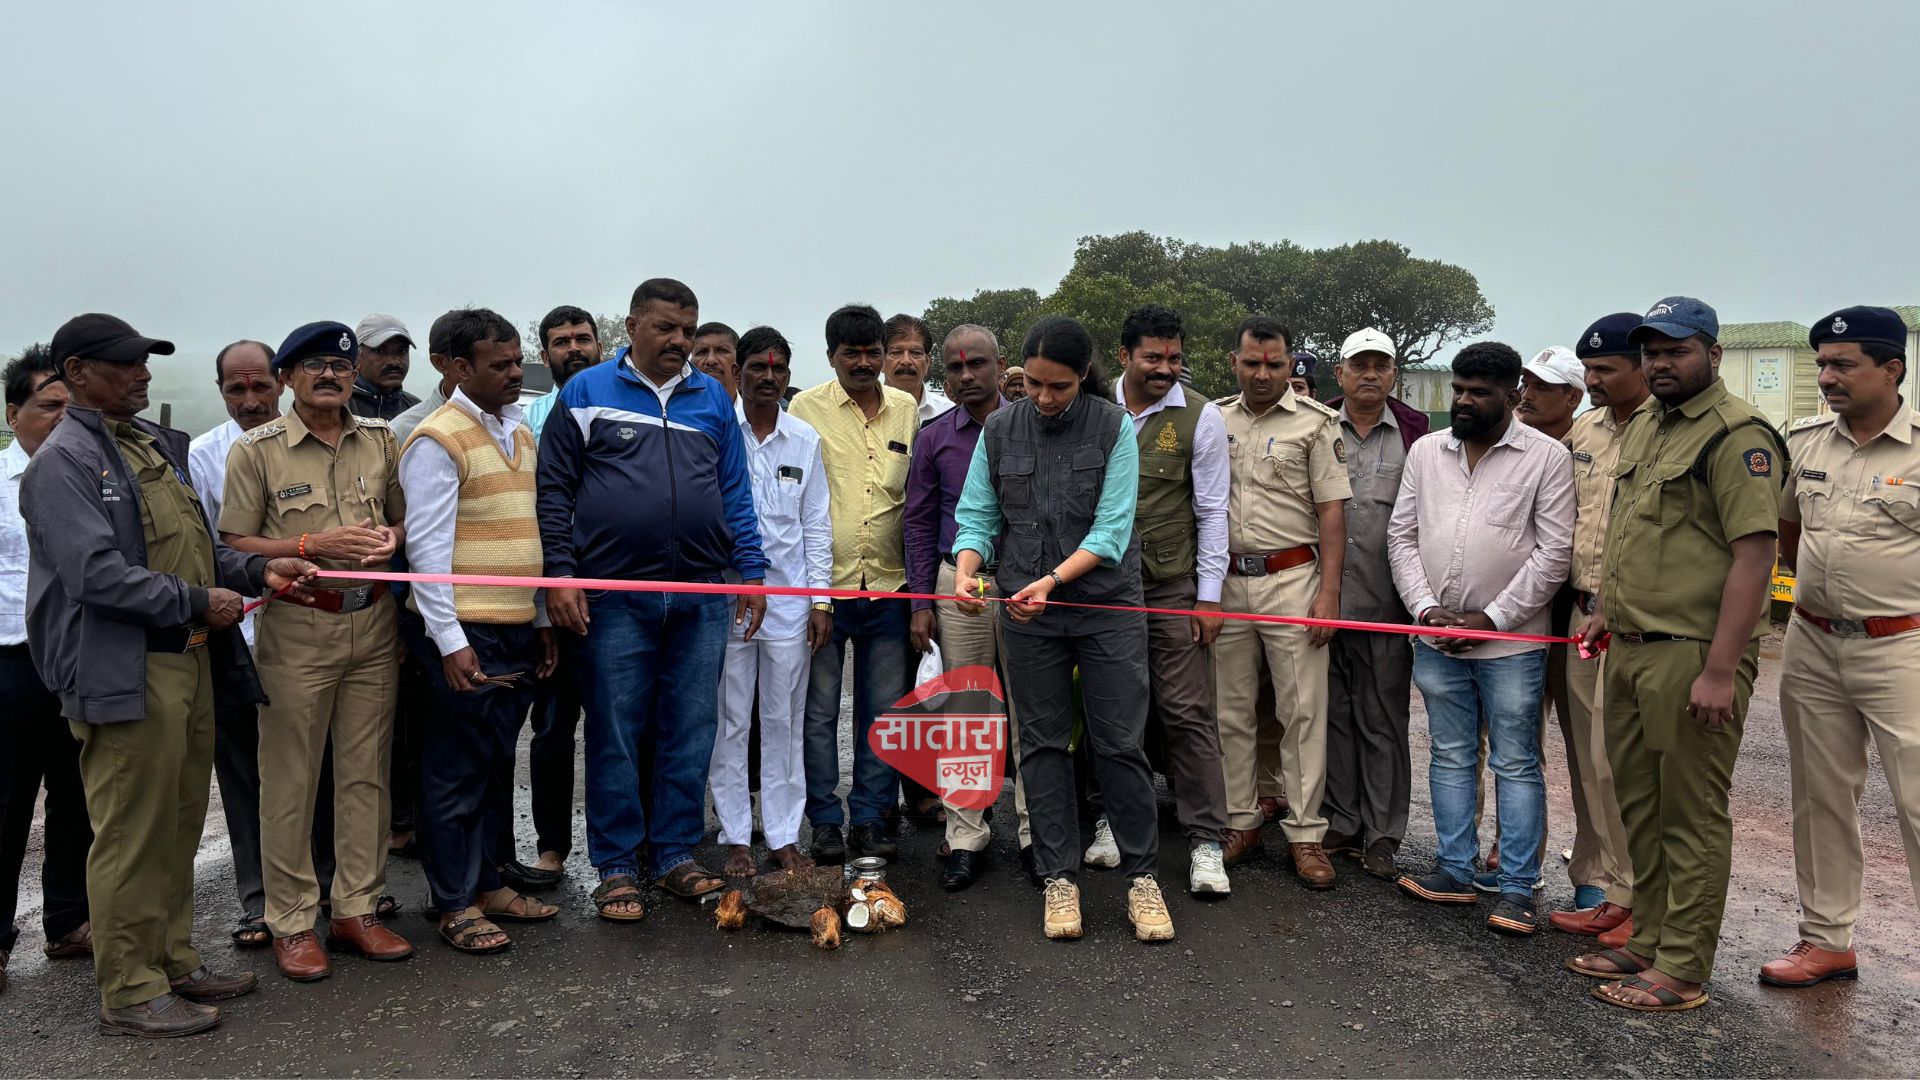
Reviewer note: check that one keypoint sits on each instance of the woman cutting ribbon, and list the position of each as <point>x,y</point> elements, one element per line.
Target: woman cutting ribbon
<point>1051,493</point>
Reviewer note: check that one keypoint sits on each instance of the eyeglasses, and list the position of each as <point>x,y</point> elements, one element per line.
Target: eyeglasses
<point>320,365</point>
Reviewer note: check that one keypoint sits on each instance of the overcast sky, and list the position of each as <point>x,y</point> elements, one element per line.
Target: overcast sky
<point>225,169</point>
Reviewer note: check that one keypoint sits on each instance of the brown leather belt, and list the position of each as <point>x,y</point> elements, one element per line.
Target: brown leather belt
<point>177,639</point>
<point>1878,627</point>
<point>1272,562</point>
<point>342,601</point>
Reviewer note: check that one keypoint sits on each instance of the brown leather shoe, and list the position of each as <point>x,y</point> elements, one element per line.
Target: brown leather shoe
<point>1806,964</point>
<point>1272,809</point>
<point>203,984</point>
<point>1617,937</point>
<point>165,1017</point>
<point>368,936</point>
<point>1592,922</point>
<point>300,957</point>
<point>1239,845</point>
<point>1311,865</point>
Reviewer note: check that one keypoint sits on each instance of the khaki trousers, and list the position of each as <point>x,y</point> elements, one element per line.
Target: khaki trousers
<point>147,783</point>
<point>325,673</point>
<point>966,640</point>
<point>1672,775</point>
<point>1835,694</point>
<point>1600,855</point>
<point>1299,681</point>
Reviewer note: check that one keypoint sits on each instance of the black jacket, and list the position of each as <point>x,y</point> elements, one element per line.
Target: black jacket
<point>91,598</point>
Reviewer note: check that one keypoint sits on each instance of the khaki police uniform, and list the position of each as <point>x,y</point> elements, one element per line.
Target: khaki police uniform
<point>1283,463</point>
<point>325,672</point>
<point>1600,855</point>
<point>1851,669</point>
<point>1692,479</point>
<point>147,782</point>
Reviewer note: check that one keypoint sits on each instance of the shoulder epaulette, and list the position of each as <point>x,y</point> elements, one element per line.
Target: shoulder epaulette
<point>1324,409</point>
<point>1812,422</point>
<point>372,421</point>
<point>265,431</point>
<point>1230,399</point>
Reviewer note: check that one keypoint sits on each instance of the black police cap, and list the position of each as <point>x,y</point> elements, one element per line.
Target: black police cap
<point>1608,337</point>
<point>1862,324</point>
<point>328,339</point>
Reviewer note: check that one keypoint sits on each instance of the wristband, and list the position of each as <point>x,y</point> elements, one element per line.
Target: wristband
<point>303,545</point>
<point>1057,579</point>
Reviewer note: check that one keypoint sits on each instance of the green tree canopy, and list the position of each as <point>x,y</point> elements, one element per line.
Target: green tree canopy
<point>1322,295</point>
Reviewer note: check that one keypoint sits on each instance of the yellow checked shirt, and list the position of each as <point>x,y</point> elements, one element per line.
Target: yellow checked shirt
<point>1595,442</point>
<point>866,462</point>
<point>1282,463</point>
<point>1670,538</point>
<point>283,481</point>
<point>1859,514</point>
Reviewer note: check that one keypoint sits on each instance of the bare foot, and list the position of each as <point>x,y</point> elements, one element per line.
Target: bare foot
<point>789,858</point>
<point>551,860</point>
<point>1688,991</point>
<point>739,862</point>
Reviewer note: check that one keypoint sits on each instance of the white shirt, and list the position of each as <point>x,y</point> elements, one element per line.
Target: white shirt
<point>13,547</point>
<point>1212,482</point>
<point>207,467</point>
<point>432,482</point>
<point>789,480</point>
<point>664,390</point>
<point>932,404</point>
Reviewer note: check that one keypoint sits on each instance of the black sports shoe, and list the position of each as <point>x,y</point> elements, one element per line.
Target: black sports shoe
<point>1514,915</point>
<point>1437,888</point>
<point>871,839</point>
<point>829,844</point>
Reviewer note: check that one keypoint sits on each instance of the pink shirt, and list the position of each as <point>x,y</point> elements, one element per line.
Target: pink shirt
<point>1497,540</point>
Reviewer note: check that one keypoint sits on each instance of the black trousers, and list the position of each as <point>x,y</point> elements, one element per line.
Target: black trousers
<point>1109,650</point>
<point>40,749</point>
<point>415,698</point>
<point>466,743</point>
<point>236,764</point>
<point>550,761</point>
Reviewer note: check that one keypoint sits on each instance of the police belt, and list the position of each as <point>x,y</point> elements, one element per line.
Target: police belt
<point>1651,639</point>
<point>177,639</point>
<point>1272,562</point>
<point>341,601</point>
<point>1878,627</point>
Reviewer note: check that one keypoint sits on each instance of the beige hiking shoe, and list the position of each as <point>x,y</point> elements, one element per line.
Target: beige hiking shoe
<point>1063,909</point>
<point>1148,910</point>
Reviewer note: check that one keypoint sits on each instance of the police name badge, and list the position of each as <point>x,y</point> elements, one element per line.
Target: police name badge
<point>294,491</point>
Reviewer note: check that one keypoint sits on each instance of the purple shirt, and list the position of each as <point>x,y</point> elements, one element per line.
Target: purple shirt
<point>941,454</point>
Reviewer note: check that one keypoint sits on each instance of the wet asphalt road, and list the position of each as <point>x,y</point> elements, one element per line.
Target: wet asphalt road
<point>1275,980</point>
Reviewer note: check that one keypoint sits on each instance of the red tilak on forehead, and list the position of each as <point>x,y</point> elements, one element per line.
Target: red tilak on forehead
<point>963,355</point>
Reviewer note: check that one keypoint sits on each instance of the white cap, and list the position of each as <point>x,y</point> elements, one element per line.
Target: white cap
<point>1557,364</point>
<point>377,329</point>
<point>1368,340</point>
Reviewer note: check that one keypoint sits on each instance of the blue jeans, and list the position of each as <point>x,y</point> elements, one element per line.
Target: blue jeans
<point>882,675</point>
<point>649,672</point>
<point>1504,694</point>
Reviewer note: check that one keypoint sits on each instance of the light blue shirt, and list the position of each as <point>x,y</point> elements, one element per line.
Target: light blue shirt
<point>979,519</point>
<point>534,413</point>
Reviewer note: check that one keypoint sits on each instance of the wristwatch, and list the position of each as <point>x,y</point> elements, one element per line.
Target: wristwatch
<point>1057,579</point>
<point>824,605</point>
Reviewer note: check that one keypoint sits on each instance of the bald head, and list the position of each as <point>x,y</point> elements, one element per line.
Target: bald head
<point>971,356</point>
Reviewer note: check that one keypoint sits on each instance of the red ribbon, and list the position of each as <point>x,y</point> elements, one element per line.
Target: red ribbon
<point>724,589</point>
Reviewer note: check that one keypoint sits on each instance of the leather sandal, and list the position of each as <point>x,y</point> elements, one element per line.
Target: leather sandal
<point>462,932</point>
<point>619,889</point>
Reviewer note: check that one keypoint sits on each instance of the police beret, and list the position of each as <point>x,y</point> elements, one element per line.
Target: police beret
<point>1608,337</point>
<point>1303,362</point>
<point>327,339</point>
<point>1860,324</point>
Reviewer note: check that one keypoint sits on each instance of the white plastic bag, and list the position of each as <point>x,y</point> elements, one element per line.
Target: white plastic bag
<point>930,666</point>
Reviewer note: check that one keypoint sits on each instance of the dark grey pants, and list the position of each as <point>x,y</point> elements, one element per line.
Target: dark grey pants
<point>1369,772</point>
<point>1107,650</point>
<point>1183,702</point>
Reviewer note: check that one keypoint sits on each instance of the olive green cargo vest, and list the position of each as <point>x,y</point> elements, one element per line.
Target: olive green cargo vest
<point>1164,517</point>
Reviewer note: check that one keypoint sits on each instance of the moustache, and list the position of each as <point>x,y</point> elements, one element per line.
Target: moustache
<point>326,384</point>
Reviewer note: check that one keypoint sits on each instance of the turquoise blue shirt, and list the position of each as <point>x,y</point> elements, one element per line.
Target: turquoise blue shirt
<point>534,414</point>
<point>980,521</point>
